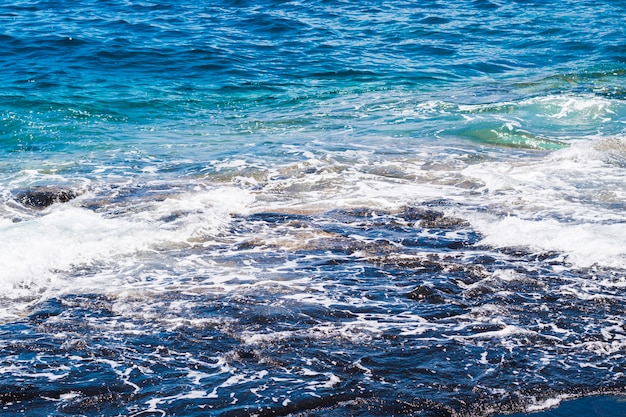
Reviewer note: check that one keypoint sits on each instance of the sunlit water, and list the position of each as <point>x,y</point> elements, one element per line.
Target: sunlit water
<point>274,208</point>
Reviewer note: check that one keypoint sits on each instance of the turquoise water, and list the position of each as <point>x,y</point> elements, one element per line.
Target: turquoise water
<point>265,208</point>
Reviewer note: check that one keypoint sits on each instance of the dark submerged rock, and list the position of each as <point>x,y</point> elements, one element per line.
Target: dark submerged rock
<point>426,294</point>
<point>42,197</point>
<point>432,219</point>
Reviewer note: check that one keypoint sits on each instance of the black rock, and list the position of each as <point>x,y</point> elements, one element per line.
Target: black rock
<point>426,294</point>
<point>432,219</point>
<point>42,197</point>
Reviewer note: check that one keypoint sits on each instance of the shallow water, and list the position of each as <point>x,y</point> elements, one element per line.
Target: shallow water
<point>283,208</point>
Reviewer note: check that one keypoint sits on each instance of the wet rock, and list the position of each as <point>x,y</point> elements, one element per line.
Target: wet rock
<point>432,219</point>
<point>42,197</point>
<point>477,291</point>
<point>418,213</point>
<point>427,294</point>
<point>415,263</point>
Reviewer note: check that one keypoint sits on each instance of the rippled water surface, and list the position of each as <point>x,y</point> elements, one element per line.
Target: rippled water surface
<point>240,208</point>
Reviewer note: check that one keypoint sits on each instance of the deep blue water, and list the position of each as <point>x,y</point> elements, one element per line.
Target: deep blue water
<point>329,208</point>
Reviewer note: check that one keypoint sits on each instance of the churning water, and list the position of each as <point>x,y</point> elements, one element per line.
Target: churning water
<point>329,208</point>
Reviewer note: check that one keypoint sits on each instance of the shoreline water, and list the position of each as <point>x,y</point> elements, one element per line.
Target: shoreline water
<point>268,207</point>
<point>592,406</point>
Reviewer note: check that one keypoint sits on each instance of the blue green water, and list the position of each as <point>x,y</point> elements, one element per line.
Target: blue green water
<point>323,208</point>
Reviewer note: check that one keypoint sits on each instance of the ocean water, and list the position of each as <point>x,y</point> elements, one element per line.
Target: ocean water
<point>328,208</point>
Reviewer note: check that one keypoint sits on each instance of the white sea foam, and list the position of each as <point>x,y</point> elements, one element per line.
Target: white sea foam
<point>568,202</point>
<point>576,109</point>
<point>555,109</point>
<point>584,244</point>
<point>538,405</point>
<point>33,250</point>
<point>40,255</point>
